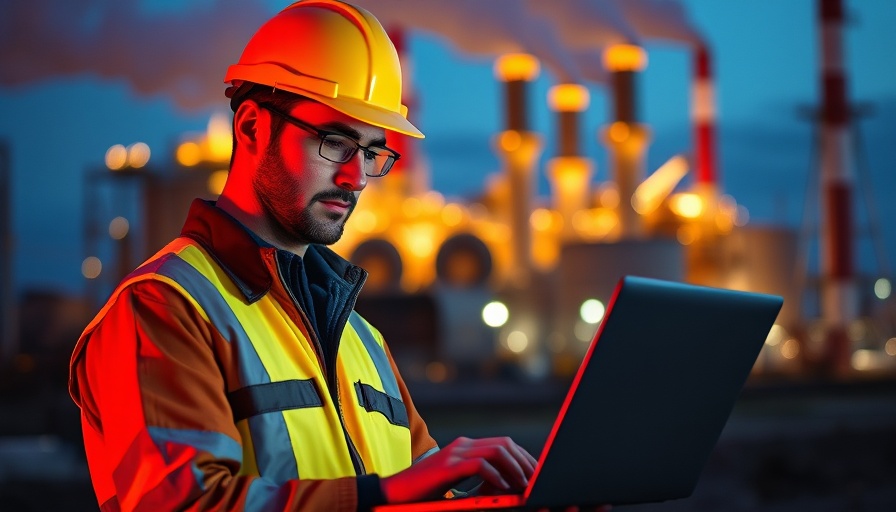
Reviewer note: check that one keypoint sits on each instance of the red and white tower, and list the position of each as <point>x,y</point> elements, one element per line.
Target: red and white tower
<point>839,302</point>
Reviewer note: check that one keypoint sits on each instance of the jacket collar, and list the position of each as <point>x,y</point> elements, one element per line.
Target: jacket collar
<point>240,253</point>
<point>231,245</point>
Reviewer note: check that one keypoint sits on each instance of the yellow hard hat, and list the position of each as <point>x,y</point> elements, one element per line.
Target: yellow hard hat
<point>331,52</point>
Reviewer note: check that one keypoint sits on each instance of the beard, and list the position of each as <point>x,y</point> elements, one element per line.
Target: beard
<point>279,190</point>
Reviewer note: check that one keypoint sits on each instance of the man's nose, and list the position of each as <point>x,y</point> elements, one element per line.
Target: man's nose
<point>351,174</point>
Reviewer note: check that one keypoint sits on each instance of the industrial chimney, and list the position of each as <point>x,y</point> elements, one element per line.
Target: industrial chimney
<point>519,148</point>
<point>625,138</point>
<point>570,173</point>
<point>839,302</point>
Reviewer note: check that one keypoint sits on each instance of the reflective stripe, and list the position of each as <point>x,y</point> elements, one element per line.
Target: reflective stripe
<point>375,400</point>
<point>269,433</point>
<point>217,444</point>
<point>377,354</point>
<point>274,396</point>
<point>251,370</point>
<point>426,454</point>
<point>264,495</point>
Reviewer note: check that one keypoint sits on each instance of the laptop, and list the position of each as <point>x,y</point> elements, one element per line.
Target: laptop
<point>648,402</point>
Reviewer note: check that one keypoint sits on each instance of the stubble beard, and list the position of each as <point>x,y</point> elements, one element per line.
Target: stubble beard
<point>278,191</point>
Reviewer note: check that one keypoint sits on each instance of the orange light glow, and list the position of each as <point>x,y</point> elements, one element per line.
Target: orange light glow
<point>688,205</point>
<point>653,190</point>
<point>219,137</point>
<point>138,155</point>
<point>625,57</point>
<point>568,98</point>
<point>541,219</point>
<point>116,157</point>
<point>216,181</point>
<point>619,131</point>
<point>188,154</point>
<point>452,215</point>
<point>516,66</point>
<point>510,140</point>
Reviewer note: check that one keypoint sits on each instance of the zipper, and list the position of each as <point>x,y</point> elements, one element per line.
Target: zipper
<point>343,319</point>
<point>329,369</point>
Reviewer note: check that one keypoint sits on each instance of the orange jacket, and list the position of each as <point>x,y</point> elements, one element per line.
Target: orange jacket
<point>155,377</point>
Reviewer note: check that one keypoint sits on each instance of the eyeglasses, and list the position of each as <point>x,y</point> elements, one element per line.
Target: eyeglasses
<point>340,148</point>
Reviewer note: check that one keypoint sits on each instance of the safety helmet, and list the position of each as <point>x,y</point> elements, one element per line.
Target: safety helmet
<point>332,52</point>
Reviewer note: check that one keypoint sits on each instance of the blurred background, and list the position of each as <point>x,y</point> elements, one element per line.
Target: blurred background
<point>746,145</point>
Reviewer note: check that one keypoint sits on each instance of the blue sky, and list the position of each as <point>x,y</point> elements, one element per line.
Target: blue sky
<point>766,63</point>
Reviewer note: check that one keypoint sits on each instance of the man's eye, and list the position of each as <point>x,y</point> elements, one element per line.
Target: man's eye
<point>335,143</point>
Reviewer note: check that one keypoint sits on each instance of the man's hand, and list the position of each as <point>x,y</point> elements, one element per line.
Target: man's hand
<point>502,465</point>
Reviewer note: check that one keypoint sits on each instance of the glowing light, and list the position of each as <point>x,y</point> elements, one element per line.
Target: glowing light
<point>138,155</point>
<point>216,181</point>
<point>219,137</point>
<point>188,154</point>
<point>364,221</point>
<point>686,235</point>
<point>118,228</point>
<point>651,192</point>
<point>618,131</point>
<point>510,140</point>
<point>433,202</point>
<point>596,222</point>
<point>412,207</point>
<point>517,341</point>
<point>541,219</point>
<point>890,347</point>
<point>625,57</point>
<point>420,239</point>
<point>790,349</point>
<point>882,288</point>
<point>775,335</point>
<point>516,66</point>
<point>91,267</point>
<point>592,311</point>
<point>609,195</point>
<point>568,98</point>
<point>116,157</point>
<point>862,359</point>
<point>687,205</point>
<point>452,215</point>
<point>495,314</point>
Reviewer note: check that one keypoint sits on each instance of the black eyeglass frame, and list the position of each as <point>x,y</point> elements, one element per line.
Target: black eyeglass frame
<point>323,134</point>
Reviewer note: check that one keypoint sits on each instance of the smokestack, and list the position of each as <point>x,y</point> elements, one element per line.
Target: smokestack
<point>625,138</point>
<point>569,172</point>
<point>704,116</point>
<point>839,301</point>
<point>8,328</point>
<point>516,70</point>
<point>520,150</point>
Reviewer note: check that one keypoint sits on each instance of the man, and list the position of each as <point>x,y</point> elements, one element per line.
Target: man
<point>230,370</point>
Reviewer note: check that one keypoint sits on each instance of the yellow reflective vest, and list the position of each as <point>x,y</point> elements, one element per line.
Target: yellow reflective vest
<point>352,422</point>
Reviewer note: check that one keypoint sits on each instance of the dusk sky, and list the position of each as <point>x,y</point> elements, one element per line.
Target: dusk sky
<point>78,76</point>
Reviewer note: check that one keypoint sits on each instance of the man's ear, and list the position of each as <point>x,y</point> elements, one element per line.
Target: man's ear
<point>246,127</point>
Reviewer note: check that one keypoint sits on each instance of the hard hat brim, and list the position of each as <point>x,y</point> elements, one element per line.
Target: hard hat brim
<point>366,113</point>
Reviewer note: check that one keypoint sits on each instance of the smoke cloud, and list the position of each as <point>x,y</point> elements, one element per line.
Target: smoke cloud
<point>183,54</point>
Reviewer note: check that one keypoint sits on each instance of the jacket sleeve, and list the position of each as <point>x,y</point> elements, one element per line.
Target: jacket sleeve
<point>157,425</point>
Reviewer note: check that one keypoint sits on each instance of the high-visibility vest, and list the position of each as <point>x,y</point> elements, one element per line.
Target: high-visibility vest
<point>291,424</point>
